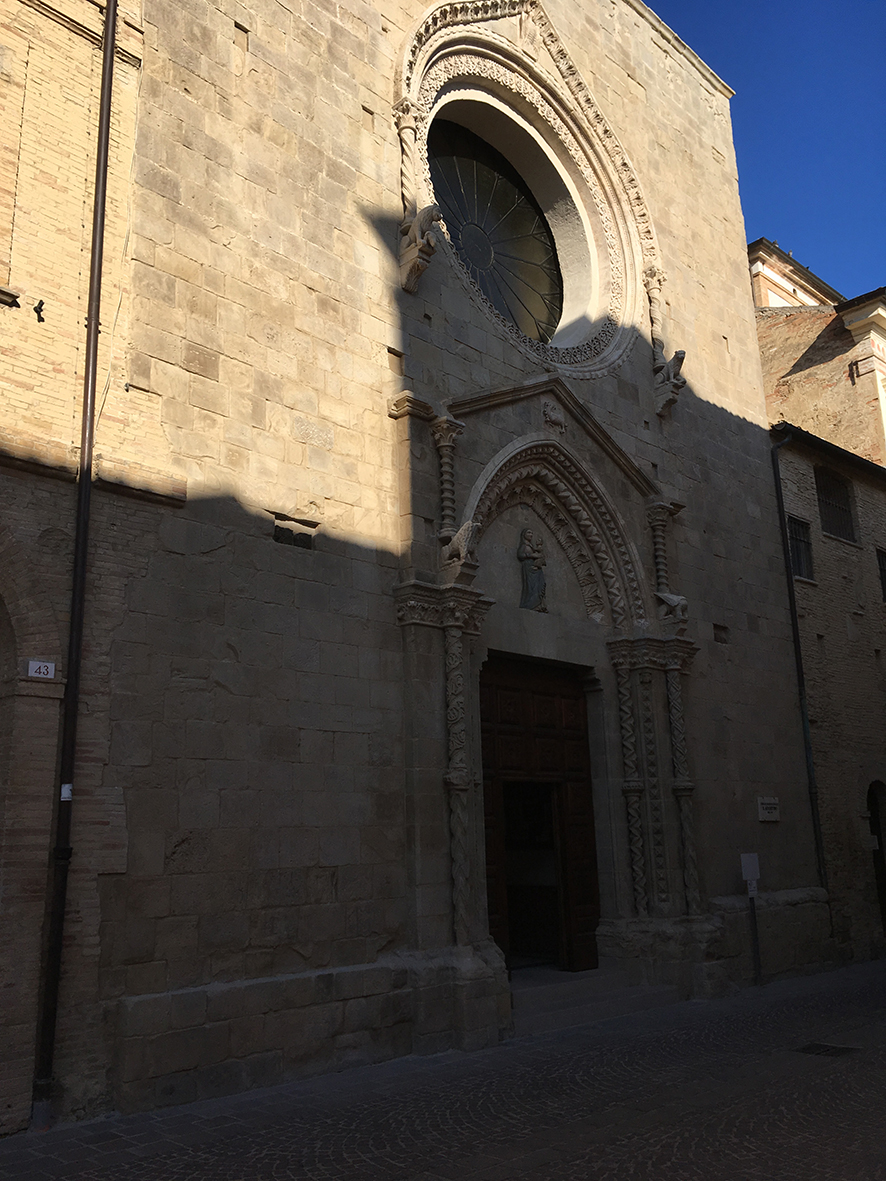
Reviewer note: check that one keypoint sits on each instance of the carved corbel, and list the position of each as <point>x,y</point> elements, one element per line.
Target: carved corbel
<point>667,381</point>
<point>418,242</point>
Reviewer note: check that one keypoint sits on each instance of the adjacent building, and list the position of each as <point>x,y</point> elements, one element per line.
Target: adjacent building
<point>824,363</point>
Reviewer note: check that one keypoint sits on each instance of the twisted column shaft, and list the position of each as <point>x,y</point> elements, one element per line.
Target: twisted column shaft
<point>633,791</point>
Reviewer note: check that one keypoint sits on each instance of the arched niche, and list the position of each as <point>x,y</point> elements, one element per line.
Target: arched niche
<point>541,481</point>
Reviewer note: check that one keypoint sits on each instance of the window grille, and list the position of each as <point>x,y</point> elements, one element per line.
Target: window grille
<point>881,564</point>
<point>834,504</point>
<point>801,548</point>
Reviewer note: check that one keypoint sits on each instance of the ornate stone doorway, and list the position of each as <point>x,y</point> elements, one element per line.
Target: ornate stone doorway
<point>541,863</point>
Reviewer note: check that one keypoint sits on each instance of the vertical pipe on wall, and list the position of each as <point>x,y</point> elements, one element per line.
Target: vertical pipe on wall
<point>61,854</point>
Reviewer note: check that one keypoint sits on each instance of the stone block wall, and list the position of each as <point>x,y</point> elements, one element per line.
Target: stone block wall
<point>262,878</point>
<point>843,632</point>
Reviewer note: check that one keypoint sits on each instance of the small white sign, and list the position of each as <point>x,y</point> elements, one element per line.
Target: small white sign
<point>750,867</point>
<point>767,808</point>
<point>752,889</point>
<point>44,669</point>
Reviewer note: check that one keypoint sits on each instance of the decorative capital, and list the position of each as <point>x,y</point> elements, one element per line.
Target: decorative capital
<point>446,430</point>
<point>405,113</point>
<point>427,605</point>
<point>658,513</point>
<point>653,279</point>
<point>664,654</point>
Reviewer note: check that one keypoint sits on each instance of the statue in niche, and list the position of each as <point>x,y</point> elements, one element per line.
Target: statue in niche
<point>532,563</point>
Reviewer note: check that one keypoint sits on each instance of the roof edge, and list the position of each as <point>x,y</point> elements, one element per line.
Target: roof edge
<point>680,47</point>
<point>815,443</point>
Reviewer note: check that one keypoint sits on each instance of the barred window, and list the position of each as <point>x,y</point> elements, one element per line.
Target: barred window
<point>801,548</point>
<point>881,564</point>
<point>834,504</point>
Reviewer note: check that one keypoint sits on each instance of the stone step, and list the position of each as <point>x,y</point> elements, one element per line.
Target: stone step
<point>545,999</point>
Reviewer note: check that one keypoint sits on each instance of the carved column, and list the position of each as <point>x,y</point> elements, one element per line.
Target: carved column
<point>656,811</point>
<point>658,515</point>
<point>649,659</point>
<point>632,789</point>
<point>666,379</point>
<point>446,431</point>
<point>458,611</point>
<point>457,783</point>
<point>653,277</point>
<point>404,113</point>
<point>683,790</point>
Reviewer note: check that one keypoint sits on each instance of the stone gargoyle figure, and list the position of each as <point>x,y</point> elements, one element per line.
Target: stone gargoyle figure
<point>673,609</point>
<point>418,242</point>
<point>457,549</point>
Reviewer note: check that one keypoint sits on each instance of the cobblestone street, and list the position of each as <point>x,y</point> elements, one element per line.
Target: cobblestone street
<point>742,1089</point>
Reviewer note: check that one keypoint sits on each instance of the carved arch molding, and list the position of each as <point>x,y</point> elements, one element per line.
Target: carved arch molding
<point>470,44</point>
<point>649,659</point>
<point>544,477</point>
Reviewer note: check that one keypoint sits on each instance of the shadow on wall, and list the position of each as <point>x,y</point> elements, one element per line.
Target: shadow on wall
<point>243,811</point>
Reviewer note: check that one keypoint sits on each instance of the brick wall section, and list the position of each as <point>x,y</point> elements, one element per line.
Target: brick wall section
<point>810,380</point>
<point>843,631</point>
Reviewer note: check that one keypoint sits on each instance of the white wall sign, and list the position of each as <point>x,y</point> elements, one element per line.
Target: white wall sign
<point>45,669</point>
<point>750,866</point>
<point>767,808</point>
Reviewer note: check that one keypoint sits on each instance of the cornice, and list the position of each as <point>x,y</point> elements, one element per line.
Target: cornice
<point>555,388</point>
<point>668,35</point>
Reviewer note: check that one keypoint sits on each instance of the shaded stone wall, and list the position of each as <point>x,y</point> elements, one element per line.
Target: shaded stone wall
<point>843,630</point>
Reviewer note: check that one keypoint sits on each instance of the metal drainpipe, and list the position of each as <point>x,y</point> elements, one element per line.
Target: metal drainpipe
<point>62,851</point>
<point>798,657</point>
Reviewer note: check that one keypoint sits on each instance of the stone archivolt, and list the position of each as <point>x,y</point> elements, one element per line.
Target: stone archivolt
<point>543,476</point>
<point>456,44</point>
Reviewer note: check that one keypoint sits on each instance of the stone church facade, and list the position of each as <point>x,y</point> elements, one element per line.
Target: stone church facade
<point>437,619</point>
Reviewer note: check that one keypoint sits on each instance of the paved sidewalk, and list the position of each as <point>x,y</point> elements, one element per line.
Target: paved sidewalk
<point>701,1091</point>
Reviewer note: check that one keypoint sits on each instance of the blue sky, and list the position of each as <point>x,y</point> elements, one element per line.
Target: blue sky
<point>810,132</point>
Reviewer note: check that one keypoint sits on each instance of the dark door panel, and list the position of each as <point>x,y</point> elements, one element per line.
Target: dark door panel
<point>540,854</point>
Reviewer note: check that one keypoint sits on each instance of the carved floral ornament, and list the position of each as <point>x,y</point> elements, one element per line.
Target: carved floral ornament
<point>499,64</point>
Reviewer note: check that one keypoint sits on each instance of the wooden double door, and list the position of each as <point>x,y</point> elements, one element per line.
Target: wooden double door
<point>541,865</point>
